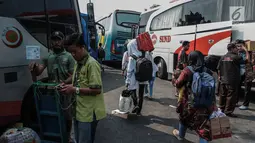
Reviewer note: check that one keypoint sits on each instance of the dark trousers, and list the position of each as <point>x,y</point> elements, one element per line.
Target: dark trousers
<point>240,89</point>
<point>228,95</point>
<point>217,92</point>
<point>138,102</point>
<point>247,91</point>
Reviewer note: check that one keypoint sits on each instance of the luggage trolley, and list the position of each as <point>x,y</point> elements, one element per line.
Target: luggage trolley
<point>50,115</point>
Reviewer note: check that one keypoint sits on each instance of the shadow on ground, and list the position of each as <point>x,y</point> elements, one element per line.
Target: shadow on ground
<point>117,130</point>
<point>112,79</point>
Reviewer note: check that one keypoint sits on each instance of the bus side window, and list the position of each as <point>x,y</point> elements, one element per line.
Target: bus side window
<point>201,11</point>
<point>167,19</point>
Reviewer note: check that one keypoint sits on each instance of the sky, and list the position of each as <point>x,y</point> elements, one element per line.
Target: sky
<point>105,7</point>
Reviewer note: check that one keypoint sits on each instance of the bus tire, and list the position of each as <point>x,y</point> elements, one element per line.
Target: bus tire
<point>162,71</point>
<point>28,109</point>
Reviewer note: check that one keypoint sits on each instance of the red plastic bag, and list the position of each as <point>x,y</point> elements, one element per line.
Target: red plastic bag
<point>144,42</point>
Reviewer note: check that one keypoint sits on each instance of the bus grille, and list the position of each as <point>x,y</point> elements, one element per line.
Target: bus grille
<point>123,34</point>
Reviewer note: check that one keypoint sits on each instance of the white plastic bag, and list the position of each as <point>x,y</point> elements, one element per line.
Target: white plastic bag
<point>125,101</point>
<point>217,113</point>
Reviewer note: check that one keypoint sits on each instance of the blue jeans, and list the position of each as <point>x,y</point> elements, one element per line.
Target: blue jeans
<point>85,131</point>
<point>151,83</point>
<point>182,132</point>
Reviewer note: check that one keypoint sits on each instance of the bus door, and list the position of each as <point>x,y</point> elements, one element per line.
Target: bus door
<point>212,38</point>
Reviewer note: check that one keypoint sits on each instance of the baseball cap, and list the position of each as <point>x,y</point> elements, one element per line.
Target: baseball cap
<point>57,35</point>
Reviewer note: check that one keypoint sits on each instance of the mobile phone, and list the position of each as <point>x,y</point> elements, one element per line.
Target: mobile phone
<point>59,87</point>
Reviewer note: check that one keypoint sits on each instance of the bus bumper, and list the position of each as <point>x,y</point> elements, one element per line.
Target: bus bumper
<point>9,112</point>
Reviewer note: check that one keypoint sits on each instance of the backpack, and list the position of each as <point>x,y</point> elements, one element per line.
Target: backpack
<point>144,69</point>
<point>203,88</point>
<point>101,53</point>
<point>144,42</point>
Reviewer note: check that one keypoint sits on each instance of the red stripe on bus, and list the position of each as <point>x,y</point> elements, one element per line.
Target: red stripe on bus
<point>10,108</point>
<point>203,45</point>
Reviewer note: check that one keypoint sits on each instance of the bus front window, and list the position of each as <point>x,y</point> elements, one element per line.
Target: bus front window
<point>125,19</point>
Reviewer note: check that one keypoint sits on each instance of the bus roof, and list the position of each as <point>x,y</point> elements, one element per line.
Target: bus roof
<point>119,10</point>
<point>153,9</point>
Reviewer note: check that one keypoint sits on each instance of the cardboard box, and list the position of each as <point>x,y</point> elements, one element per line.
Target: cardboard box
<point>220,128</point>
<point>250,45</point>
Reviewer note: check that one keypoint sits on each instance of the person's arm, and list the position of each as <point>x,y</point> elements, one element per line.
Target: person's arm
<point>182,79</point>
<point>130,70</point>
<point>247,55</point>
<point>123,64</point>
<point>95,81</point>
<point>37,69</point>
<point>219,67</point>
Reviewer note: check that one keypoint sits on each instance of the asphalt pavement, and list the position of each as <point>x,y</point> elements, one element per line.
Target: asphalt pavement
<point>158,117</point>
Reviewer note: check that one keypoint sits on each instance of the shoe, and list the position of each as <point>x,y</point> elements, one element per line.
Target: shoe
<point>138,111</point>
<point>146,95</point>
<point>232,115</point>
<point>150,97</point>
<point>176,134</point>
<point>243,107</point>
<point>135,109</point>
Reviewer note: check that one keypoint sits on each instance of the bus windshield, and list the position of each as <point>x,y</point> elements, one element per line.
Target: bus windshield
<point>61,16</point>
<point>125,18</point>
<point>144,18</point>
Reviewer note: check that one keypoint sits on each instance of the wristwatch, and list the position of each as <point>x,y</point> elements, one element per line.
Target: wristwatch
<point>77,90</point>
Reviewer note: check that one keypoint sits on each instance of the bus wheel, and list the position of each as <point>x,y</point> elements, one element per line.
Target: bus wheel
<point>162,71</point>
<point>28,110</point>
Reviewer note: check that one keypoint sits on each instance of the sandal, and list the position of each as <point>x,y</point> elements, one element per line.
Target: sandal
<point>176,134</point>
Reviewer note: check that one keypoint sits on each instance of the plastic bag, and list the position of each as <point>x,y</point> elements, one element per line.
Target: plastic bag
<point>125,101</point>
<point>217,113</point>
<point>22,135</point>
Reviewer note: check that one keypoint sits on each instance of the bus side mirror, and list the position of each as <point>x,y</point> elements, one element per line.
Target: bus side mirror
<point>101,27</point>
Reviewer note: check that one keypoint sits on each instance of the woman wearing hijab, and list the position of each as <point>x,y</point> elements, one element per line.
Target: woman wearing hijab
<point>190,117</point>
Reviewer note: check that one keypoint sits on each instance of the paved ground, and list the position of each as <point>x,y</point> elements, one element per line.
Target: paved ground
<point>158,118</point>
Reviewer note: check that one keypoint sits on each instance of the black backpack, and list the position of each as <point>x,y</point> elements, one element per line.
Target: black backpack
<point>101,53</point>
<point>144,69</point>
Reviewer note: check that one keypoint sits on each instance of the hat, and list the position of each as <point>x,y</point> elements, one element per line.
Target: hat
<point>57,35</point>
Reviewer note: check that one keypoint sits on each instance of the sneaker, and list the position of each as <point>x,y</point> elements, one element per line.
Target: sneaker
<point>135,109</point>
<point>243,107</point>
<point>176,134</point>
<point>146,95</point>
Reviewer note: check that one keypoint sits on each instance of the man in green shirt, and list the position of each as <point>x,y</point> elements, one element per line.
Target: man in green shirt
<point>60,65</point>
<point>87,86</point>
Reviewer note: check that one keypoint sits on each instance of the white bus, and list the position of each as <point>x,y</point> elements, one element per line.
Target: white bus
<point>209,25</point>
<point>25,24</point>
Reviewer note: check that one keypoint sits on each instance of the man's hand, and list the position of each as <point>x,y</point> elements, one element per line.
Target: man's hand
<point>68,89</point>
<point>32,66</point>
<point>127,85</point>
